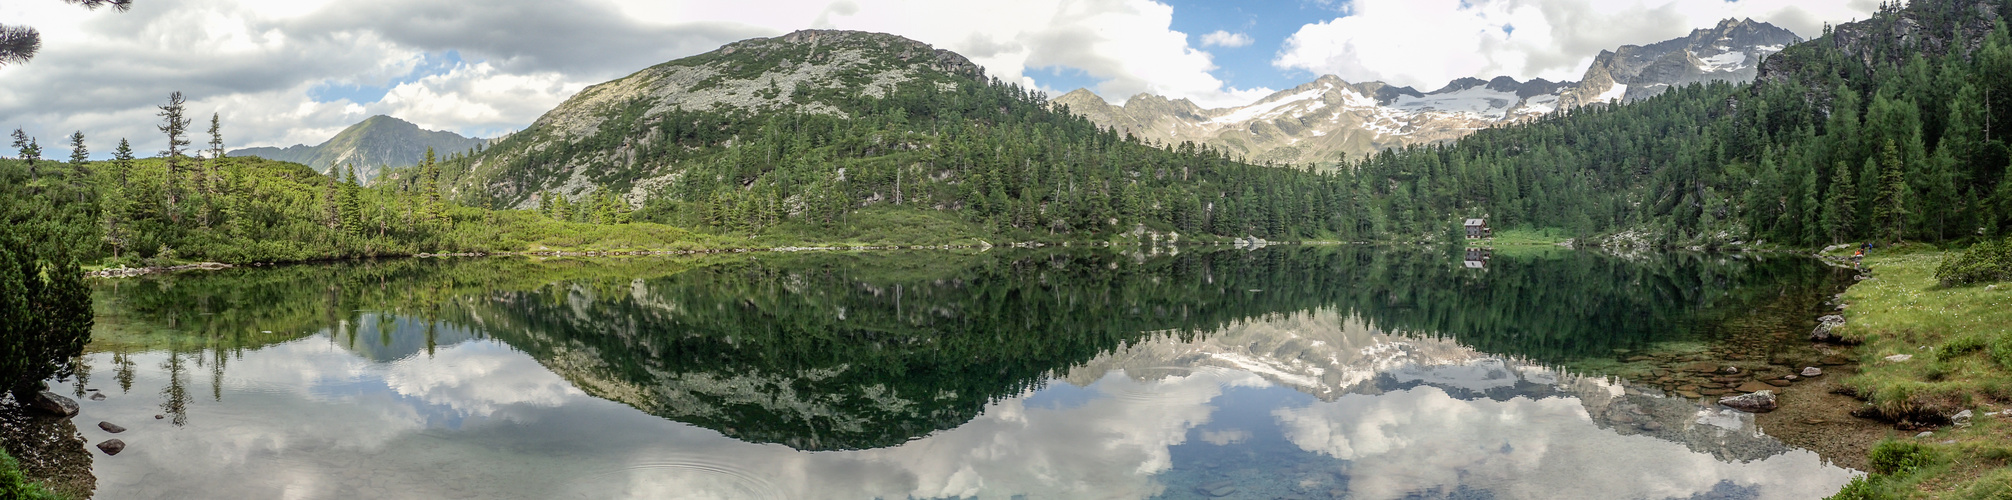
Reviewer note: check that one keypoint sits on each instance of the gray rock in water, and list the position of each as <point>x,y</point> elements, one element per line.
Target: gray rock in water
<point>1757,402</point>
<point>98,396</point>
<point>111,427</point>
<point>1824,325</point>
<point>54,404</point>
<point>1812,372</point>
<point>112,446</point>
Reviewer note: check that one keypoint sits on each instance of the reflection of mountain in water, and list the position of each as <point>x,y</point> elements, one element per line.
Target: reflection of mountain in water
<point>1330,356</point>
<point>842,351</point>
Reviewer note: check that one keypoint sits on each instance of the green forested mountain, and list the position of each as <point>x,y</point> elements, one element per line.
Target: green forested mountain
<point>1885,129</point>
<point>808,128</point>
<point>371,145</point>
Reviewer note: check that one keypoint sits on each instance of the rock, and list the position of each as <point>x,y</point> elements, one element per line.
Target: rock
<point>1713,392</point>
<point>1812,372</point>
<point>1900,358</point>
<point>1753,387</point>
<point>1757,402</point>
<point>111,427</point>
<point>1689,394</point>
<point>1730,370</point>
<point>54,404</point>
<point>1779,383</point>
<point>1824,325</point>
<point>98,396</point>
<point>1652,426</point>
<point>112,446</point>
<point>1701,367</point>
<point>1924,434</point>
<point>1961,418</point>
<point>1790,377</point>
<point>158,417</point>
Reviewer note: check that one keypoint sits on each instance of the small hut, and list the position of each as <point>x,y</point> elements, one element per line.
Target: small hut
<point>1477,229</point>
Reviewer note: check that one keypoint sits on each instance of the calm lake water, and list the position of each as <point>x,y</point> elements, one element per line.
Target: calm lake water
<point>1285,372</point>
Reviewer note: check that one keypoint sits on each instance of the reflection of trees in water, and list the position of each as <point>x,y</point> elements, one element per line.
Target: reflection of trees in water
<point>833,350</point>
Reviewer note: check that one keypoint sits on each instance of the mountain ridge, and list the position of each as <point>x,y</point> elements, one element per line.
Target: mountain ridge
<point>1346,120</point>
<point>371,145</point>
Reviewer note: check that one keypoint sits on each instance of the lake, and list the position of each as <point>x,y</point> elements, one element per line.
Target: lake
<point>1282,372</point>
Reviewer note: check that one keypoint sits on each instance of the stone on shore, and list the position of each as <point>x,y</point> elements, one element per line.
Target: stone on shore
<point>1824,325</point>
<point>1899,358</point>
<point>1812,372</point>
<point>1757,402</point>
<point>54,404</point>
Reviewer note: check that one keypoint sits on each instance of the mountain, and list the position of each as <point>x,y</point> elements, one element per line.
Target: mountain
<point>1732,51</point>
<point>376,142</point>
<point>1327,119</point>
<point>807,131</point>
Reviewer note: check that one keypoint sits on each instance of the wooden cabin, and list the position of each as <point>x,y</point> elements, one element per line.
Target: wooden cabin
<point>1477,229</point>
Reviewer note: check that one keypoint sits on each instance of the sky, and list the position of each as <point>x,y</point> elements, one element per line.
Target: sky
<point>289,72</point>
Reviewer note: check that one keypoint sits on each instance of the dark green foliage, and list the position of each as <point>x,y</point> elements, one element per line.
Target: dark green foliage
<point>1959,346</point>
<point>45,308</point>
<point>1987,261</point>
<point>1863,488</point>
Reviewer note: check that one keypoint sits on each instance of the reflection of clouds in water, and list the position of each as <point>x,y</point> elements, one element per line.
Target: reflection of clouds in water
<point>1226,437</point>
<point>1521,448</point>
<point>478,378</point>
<point>1109,447</point>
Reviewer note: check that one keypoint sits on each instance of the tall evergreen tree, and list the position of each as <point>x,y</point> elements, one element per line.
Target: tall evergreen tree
<point>1840,210</point>
<point>176,127</point>
<point>78,153</point>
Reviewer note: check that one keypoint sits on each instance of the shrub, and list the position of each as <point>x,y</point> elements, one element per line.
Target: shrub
<point>1861,488</point>
<point>1984,262</point>
<point>1900,458</point>
<point>1959,346</point>
<point>13,485</point>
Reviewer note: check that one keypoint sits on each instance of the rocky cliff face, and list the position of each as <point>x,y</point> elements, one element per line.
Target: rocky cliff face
<point>371,145</point>
<point>1328,119</point>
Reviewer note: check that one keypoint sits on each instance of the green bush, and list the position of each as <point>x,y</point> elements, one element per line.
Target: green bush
<point>1984,262</point>
<point>1900,458</point>
<point>1959,346</point>
<point>1861,488</point>
<point>13,485</point>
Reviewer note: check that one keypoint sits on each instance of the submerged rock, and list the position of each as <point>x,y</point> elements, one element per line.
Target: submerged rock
<point>98,396</point>
<point>54,404</point>
<point>112,446</point>
<point>1757,402</point>
<point>111,427</point>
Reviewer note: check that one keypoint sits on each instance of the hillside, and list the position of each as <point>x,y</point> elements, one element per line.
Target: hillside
<point>804,130</point>
<point>371,145</point>
<point>1327,120</point>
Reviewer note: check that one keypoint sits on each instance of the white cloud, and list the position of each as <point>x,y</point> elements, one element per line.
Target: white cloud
<point>1426,43</point>
<point>1222,38</point>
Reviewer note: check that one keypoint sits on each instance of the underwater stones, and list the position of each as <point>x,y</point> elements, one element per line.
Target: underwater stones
<point>1779,382</point>
<point>1701,367</point>
<point>1834,360</point>
<point>1753,387</point>
<point>111,427</point>
<point>1714,391</point>
<point>1812,372</point>
<point>53,404</point>
<point>97,396</point>
<point>1757,402</point>
<point>112,446</point>
<point>1689,394</point>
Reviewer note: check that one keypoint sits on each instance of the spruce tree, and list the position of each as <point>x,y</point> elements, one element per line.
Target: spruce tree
<point>216,137</point>
<point>1840,210</point>
<point>176,127</point>
<point>78,154</point>
<point>1891,212</point>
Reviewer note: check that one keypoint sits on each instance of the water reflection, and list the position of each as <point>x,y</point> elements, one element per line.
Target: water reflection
<point>1310,372</point>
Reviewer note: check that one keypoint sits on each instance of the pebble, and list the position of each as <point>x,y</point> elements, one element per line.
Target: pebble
<point>158,417</point>
<point>1812,372</point>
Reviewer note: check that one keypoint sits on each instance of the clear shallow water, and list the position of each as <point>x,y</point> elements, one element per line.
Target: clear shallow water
<point>1287,372</point>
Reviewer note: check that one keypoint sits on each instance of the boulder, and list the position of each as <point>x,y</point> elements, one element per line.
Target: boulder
<point>112,446</point>
<point>1812,372</point>
<point>1824,325</point>
<point>53,404</point>
<point>111,427</point>
<point>1962,417</point>
<point>1757,402</point>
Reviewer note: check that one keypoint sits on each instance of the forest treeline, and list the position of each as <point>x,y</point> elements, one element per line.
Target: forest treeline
<point>1887,129</point>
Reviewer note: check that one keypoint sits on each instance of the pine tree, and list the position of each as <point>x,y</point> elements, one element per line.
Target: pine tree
<point>176,127</point>
<point>78,154</point>
<point>216,137</point>
<point>123,159</point>
<point>1891,212</point>
<point>1840,210</point>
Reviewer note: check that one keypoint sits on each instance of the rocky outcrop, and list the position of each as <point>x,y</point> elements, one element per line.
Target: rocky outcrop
<point>1824,327</point>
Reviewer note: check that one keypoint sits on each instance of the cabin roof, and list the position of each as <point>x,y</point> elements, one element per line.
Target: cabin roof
<point>1477,222</point>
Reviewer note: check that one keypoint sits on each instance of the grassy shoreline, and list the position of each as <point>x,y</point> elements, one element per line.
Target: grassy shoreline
<point>1929,352</point>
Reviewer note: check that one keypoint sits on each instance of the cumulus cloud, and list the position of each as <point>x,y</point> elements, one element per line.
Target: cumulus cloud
<point>1221,38</point>
<point>1426,43</point>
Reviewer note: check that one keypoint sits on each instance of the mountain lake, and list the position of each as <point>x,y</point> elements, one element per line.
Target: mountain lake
<point>1291,371</point>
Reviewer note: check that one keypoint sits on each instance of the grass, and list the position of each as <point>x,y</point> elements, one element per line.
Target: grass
<point>1960,340</point>
<point>1529,237</point>
<point>13,485</point>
